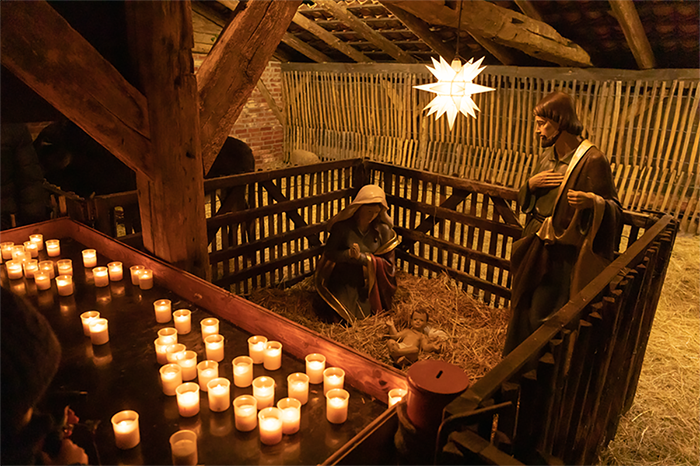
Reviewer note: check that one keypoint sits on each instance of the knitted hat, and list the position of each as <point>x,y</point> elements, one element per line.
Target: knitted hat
<point>30,358</point>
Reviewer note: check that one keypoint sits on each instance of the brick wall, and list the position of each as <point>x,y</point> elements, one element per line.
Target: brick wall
<point>258,127</point>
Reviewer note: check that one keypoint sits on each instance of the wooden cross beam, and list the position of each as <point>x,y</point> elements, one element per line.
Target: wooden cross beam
<point>305,49</point>
<point>330,39</point>
<point>627,16</point>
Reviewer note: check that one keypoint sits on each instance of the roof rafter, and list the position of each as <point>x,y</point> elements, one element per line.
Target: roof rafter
<point>422,30</point>
<point>626,14</point>
<point>341,12</point>
<point>529,9</point>
<point>304,48</point>
<point>330,39</point>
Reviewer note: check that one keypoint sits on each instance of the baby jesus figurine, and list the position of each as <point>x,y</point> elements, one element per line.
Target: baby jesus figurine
<point>404,346</point>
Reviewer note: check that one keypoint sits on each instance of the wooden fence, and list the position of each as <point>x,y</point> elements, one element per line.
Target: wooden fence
<point>646,121</point>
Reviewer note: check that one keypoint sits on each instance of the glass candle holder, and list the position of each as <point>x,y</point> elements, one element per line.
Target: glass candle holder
<point>210,326</point>
<point>53,247</point>
<point>171,378</point>
<point>126,429</point>
<point>37,239</point>
<point>86,318</point>
<point>187,399</point>
<point>64,284</point>
<point>65,266</point>
<point>298,387</point>
<point>47,266</point>
<point>215,347</point>
<point>31,249</point>
<point>188,364</point>
<point>6,249</point>
<point>161,348</point>
<point>146,279</point>
<point>99,331</point>
<point>101,276</point>
<point>206,371</point>
<point>245,409</point>
<point>183,447</point>
<point>273,356</point>
<point>337,405</point>
<point>183,321</point>
<point>135,271</point>
<point>264,391</point>
<point>242,371</point>
<point>333,377</point>
<point>168,335</point>
<point>19,254</point>
<point>219,392</point>
<point>31,267</point>
<point>116,271</point>
<point>15,269</point>
<point>42,280</point>
<point>163,310</point>
<point>291,415</point>
<point>396,395</point>
<point>256,348</point>
<point>315,365</point>
<point>89,258</point>
<point>174,352</point>
<point>270,425</point>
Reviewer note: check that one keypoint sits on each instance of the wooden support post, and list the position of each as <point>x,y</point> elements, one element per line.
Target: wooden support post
<point>631,25</point>
<point>172,205</point>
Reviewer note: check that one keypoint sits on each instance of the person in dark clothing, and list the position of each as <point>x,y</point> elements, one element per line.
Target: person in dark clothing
<point>29,360</point>
<point>574,220</point>
<point>24,199</point>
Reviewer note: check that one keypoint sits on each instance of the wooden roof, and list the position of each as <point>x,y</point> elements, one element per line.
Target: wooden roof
<point>621,34</point>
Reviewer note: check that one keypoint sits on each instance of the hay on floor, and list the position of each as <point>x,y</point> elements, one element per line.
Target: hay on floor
<point>475,331</point>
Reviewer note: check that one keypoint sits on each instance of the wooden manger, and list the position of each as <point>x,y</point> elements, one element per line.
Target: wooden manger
<point>559,395</point>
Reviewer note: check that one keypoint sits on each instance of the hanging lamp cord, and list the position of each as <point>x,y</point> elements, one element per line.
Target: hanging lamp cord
<point>459,27</point>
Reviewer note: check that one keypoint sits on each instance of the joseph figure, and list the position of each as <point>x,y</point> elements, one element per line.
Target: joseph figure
<point>574,220</point>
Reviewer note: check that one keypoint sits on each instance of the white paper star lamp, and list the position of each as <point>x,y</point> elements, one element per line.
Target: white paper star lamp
<point>454,88</point>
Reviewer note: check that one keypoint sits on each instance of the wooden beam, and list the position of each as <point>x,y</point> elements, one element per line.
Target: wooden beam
<point>230,4</point>
<point>422,30</point>
<point>500,52</point>
<point>172,205</point>
<point>341,12</point>
<point>330,39</point>
<point>631,25</point>
<point>270,101</point>
<point>528,9</point>
<point>52,58</point>
<point>210,14</point>
<point>233,67</point>
<point>304,48</point>
<point>503,26</point>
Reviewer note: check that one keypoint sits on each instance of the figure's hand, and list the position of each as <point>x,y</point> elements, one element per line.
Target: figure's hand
<point>71,421</point>
<point>355,251</point>
<point>70,453</point>
<point>390,322</point>
<point>580,199</point>
<point>547,179</point>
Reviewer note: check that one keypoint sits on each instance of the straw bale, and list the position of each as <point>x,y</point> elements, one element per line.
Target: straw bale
<point>475,332</point>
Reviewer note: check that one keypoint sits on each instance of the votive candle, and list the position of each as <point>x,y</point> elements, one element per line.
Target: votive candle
<point>47,266</point>
<point>168,335</point>
<point>207,370</point>
<point>396,395</point>
<point>161,348</point>
<point>171,378</point>
<point>65,266</point>
<point>264,391</point>
<point>42,280</point>
<point>146,279</point>
<point>53,247</point>
<point>333,377</point>
<point>174,352</point>
<point>298,387</point>
<point>337,405</point>
<point>163,310</point>
<point>270,422</point>
<point>86,318</point>
<point>291,415</point>
<point>14,269</point>
<point>30,249</point>
<point>183,321</point>
<point>242,371</point>
<point>31,267</point>
<point>188,364</point>
<point>136,273</point>
<point>6,249</point>
<point>99,331</point>
<point>19,254</point>
<point>64,284</point>
<point>273,356</point>
<point>210,326</point>
<point>214,347</point>
<point>315,364</point>
<point>37,239</point>
<point>187,399</point>
<point>126,429</point>
<point>256,348</point>
<point>116,271</point>
<point>89,258</point>
<point>219,392</point>
<point>245,409</point>
<point>183,447</point>
<point>101,276</point>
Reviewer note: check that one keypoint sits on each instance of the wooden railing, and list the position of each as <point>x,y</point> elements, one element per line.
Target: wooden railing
<point>557,398</point>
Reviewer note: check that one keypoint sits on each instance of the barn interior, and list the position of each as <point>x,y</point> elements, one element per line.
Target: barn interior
<point>162,87</point>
